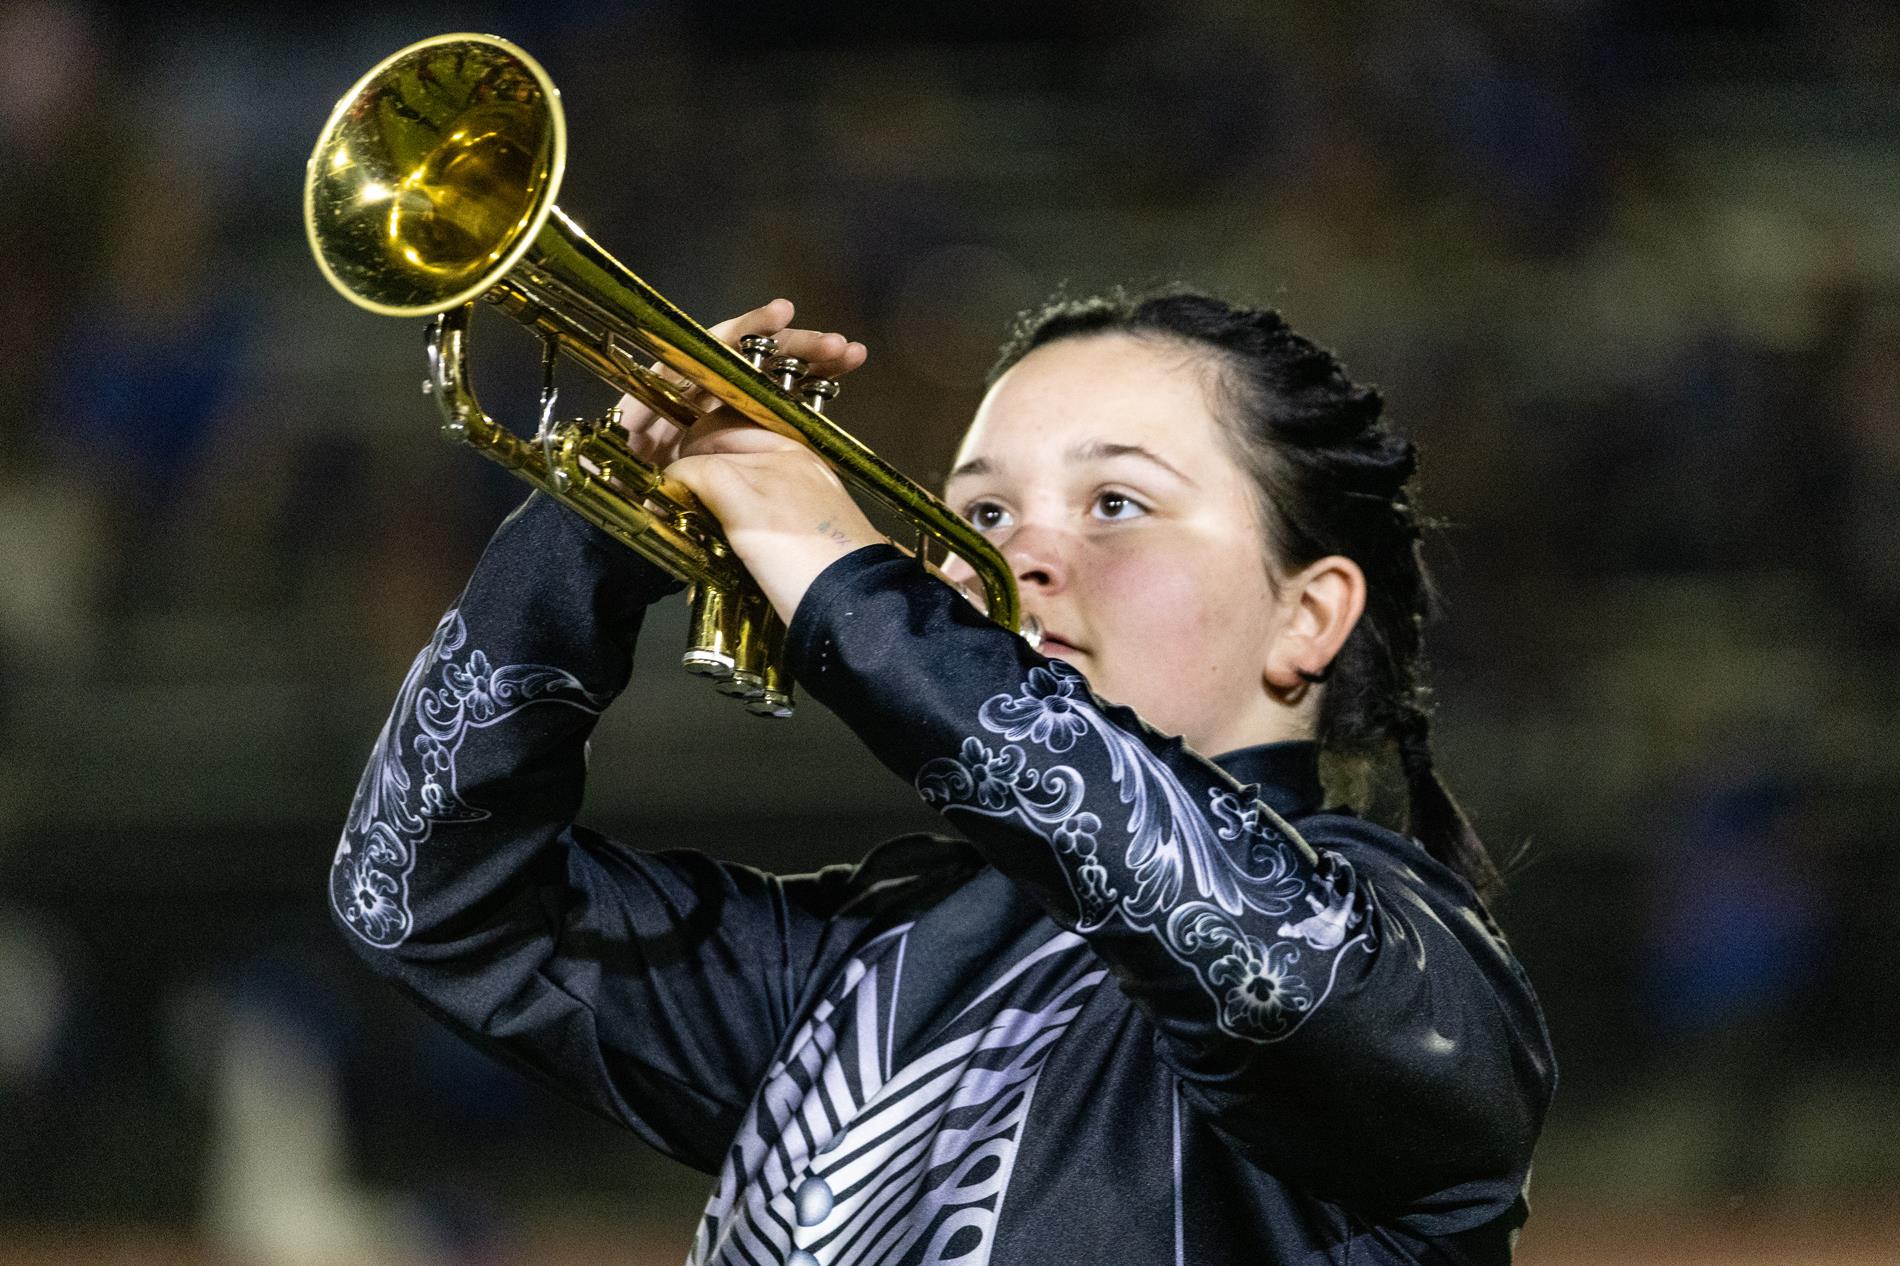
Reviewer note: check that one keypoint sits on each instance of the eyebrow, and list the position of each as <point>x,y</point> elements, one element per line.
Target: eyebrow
<point>1093,451</point>
<point>975,466</point>
<point>1102,450</point>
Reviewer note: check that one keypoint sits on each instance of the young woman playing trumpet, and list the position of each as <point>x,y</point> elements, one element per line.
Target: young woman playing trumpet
<point>1162,999</point>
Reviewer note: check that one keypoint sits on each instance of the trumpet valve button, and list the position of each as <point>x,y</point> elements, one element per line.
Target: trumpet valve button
<point>788,370</point>
<point>818,392</point>
<point>758,348</point>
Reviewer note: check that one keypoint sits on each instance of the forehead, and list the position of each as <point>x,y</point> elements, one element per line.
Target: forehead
<point>1106,388</point>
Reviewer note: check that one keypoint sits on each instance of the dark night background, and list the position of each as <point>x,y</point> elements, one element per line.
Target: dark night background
<point>1630,273</point>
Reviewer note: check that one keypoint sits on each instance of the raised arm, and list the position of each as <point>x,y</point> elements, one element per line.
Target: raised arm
<point>1347,1015</point>
<point>653,987</point>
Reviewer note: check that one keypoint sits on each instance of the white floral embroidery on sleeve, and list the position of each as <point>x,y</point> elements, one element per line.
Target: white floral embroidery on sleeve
<point>392,816</point>
<point>1192,875</point>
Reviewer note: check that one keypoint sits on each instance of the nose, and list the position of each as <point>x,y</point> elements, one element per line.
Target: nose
<point>1038,557</point>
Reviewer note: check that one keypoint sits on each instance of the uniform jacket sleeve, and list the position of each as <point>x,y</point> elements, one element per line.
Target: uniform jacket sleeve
<point>1343,1012</point>
<point>653,986</point>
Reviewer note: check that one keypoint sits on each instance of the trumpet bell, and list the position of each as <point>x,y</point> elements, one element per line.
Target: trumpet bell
<point>434,174</point>
<point>432,186</point>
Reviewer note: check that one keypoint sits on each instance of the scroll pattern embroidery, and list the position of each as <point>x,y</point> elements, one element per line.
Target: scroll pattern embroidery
<point>1207,881</point>
<point>392,816</point>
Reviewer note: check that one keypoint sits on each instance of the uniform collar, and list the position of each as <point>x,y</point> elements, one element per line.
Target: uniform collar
<point>1287,774</point>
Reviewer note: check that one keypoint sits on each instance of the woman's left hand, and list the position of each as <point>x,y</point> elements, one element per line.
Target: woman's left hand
<point>785,511</point>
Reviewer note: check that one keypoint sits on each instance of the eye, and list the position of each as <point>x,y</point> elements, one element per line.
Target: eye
<point>986,516</point>
<point>1114,506</point>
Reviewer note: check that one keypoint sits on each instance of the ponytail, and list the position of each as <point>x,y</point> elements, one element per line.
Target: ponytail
<point>1437,820</point>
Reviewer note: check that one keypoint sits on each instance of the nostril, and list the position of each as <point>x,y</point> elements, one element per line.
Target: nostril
<point>1035,558</point>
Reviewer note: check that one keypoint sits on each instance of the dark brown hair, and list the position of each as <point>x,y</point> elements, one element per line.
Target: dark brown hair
<point>1334,478</point>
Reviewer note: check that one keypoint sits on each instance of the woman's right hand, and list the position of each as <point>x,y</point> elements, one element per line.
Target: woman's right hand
<point>656,439</point>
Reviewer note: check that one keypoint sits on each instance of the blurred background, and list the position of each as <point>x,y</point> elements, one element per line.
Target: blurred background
<point>1629,272</point>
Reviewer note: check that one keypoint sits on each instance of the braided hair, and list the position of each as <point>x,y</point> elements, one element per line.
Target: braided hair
<point>1333,477</point>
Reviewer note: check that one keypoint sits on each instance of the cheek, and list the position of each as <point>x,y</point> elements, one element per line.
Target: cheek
<point>1188,613</point>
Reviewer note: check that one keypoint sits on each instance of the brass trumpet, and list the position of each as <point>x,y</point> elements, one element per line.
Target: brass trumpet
<point>432,186</point>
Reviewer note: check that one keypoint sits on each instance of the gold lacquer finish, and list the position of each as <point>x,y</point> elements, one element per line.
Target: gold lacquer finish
<point>432,186</point>
<point>434,174</point>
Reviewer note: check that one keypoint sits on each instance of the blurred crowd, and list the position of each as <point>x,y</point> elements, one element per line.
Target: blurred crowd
<point>1628,272</point>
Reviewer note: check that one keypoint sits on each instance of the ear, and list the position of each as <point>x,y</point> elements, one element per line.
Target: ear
<point>1320,604</point>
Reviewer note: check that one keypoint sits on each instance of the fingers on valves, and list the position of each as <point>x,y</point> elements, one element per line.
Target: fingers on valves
<point>792,373</point>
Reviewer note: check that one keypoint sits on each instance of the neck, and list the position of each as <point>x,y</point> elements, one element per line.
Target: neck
<point>1270,717</point>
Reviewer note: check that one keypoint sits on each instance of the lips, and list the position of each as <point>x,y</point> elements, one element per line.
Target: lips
<point>1055,647</point>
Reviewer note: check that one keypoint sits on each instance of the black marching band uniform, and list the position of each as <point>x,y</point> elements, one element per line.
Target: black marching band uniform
<point>1152,1008</point>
